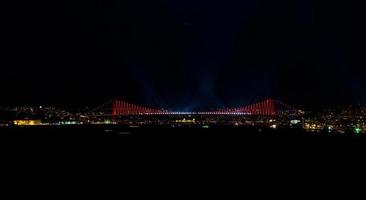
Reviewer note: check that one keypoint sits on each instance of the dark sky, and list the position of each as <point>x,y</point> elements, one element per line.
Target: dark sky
<point>183,54</point>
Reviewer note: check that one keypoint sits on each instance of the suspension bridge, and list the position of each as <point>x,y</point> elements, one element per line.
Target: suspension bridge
<point>267,107</point>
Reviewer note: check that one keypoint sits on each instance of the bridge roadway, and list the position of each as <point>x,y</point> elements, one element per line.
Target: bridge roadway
<point>179,113</point>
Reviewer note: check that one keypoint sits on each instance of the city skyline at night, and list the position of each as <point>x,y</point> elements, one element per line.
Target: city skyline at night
<point>244,87</point>
<point>289,68</point>
<point>269,115</point>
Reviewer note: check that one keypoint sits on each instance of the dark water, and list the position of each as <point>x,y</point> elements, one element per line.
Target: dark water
<point>220,136</point>
<point>180,151</point>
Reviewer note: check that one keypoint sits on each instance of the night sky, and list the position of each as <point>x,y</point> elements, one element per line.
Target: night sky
<point>183,54</point>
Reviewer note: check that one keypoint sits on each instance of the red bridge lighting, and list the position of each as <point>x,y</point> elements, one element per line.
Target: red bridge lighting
<point>265,108</point>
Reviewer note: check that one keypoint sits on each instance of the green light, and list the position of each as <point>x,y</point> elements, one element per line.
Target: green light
<point>357,130</point>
